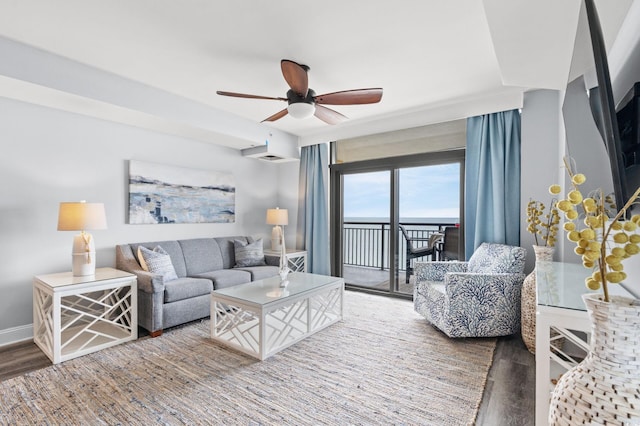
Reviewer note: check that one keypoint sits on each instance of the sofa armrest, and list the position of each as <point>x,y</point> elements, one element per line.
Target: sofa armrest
<point>150,290</point>
<point>435,271</point>
<point>147,282</point>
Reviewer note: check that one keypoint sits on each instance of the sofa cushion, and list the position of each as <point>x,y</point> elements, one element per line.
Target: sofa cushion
<point>493,258</point>
<point>171,247</point>
<point>157,261</point>
<point>186,288</point>
<point>201,255</point>
<point>260,272</point>
<point>227,248</point>
<point>248,254</point>
<point>223,278</point>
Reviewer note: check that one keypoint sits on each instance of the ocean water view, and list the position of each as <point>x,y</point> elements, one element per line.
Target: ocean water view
<point>405,220</point>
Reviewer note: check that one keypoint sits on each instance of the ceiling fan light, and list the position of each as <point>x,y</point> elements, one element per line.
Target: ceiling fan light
<point>301,110</point>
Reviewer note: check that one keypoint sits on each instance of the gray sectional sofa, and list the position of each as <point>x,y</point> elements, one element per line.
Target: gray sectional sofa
<point>201,265</point>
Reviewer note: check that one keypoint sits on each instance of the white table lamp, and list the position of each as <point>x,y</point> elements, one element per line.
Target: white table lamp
<point>82,216</point>
<point>278,217</point>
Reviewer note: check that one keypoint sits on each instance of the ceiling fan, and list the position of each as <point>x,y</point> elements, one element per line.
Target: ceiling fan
<point>303,102</point>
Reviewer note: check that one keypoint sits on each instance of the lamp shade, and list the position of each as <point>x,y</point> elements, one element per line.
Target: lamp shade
<point>81,216</point>
<point>277,216</point>
<point>301,110</point>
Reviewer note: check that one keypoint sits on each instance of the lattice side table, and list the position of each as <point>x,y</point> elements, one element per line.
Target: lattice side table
<point>296,259</point>
<point>74,316</point>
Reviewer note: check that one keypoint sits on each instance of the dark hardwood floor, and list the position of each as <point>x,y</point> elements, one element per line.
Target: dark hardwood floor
<point>510,393</point>
<point>509,397</point>
<point>20,358</point>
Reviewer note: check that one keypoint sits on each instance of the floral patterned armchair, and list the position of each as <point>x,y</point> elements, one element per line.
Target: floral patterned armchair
<point>478,298</point>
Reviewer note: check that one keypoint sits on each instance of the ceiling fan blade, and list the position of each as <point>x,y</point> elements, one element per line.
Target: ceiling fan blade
<point>296,76</point>
<point>351,97</point>
<point>328,115</point>
<point>276,116</point>
<point>243,95</point>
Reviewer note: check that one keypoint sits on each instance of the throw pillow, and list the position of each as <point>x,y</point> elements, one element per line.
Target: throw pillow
<point>249,254</point>
<point>157,261</point>
<point>494,258</point>
<point>143,264</point>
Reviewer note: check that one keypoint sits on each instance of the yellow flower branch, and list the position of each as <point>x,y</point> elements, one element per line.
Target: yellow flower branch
<point>596,252</point>
<point>547,229</point>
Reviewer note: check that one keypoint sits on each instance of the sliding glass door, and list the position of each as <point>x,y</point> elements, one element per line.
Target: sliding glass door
<point>388,214</point>
<point>365,225</point>
<point>428,201</point>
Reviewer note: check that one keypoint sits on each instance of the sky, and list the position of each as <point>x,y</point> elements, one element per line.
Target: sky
<point>425,192</point>
<point>180,175</point>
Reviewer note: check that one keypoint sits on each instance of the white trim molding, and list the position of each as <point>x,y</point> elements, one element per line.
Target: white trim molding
<point>16,334</point>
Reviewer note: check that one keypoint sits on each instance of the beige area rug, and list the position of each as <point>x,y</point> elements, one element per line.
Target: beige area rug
<point>383,364</point>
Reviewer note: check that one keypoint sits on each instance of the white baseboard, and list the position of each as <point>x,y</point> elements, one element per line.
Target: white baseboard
<point>16,334</point>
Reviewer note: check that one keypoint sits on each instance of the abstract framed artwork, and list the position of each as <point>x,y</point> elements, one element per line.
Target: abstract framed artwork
<point>168,194</point>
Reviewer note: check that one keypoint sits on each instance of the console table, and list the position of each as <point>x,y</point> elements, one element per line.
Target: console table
<point>74,316</point>
<point>561,310</point>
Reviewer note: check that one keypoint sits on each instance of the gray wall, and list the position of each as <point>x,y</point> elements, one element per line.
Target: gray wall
<point>49,156</point>
<point>584,143</point>
<point>541,153</point>
<point>556,124</point>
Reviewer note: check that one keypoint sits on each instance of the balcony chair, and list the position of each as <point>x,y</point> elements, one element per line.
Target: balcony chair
<point>450,243</point>
<point>413,252</point>
<point>478,298</point>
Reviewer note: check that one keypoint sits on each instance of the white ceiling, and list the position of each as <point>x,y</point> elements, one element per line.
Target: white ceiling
<point>427,55</point>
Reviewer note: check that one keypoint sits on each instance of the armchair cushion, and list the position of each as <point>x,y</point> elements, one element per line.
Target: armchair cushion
<point>497,258</point>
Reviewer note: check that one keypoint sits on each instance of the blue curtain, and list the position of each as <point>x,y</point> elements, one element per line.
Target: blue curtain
<point>492,180</point>
<point>313,215</point>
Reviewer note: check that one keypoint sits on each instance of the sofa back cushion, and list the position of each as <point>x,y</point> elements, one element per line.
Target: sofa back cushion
<point>201,255</point>
<point>172,248</point>
<point>227,248</point>
<point>493,258</point>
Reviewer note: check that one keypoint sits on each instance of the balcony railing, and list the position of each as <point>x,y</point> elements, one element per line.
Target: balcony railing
<point>366,244</point>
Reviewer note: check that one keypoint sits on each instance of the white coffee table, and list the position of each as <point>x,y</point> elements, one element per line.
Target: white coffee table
<point>261,318</point>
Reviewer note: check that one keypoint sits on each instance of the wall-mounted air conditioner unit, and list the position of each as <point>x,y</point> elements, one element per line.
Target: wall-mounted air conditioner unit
<point>273,153</point>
